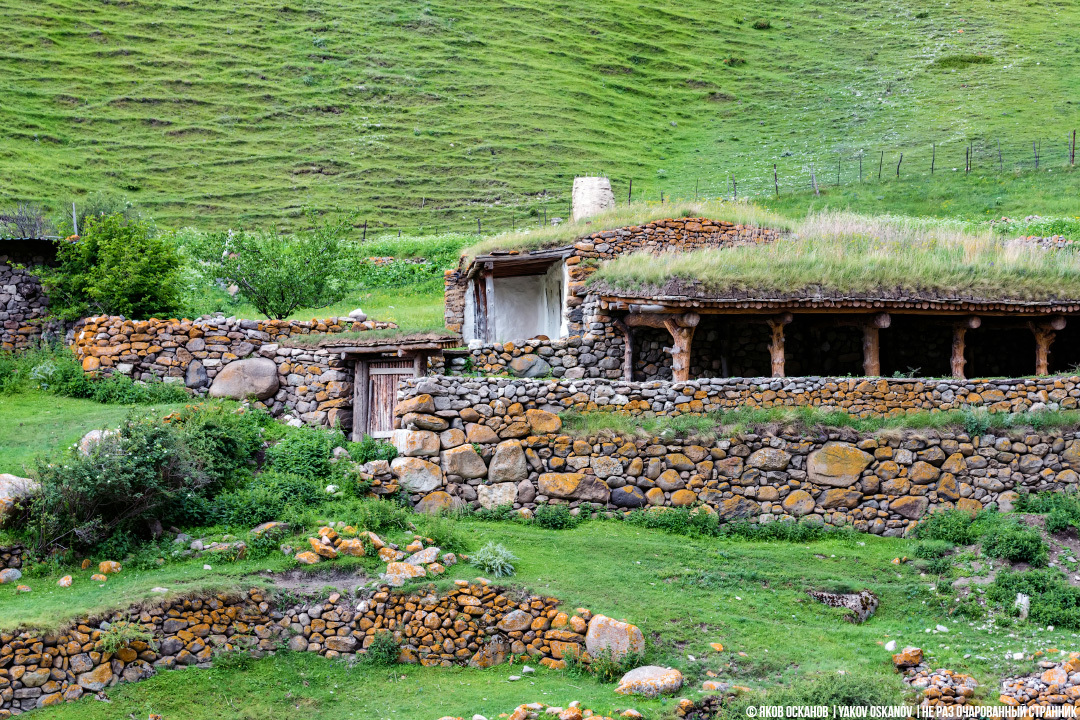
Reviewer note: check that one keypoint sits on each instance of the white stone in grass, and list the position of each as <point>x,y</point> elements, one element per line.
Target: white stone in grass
<point>159,590</point>
<point>207,567</point>
<point>890,646</point>
<point>941,628</point>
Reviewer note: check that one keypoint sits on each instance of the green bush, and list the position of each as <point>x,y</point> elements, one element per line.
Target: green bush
<point>121,634</point>
<point>305,451</point>
<point>443,532</point>
<point>266,498</point>
<point>852,690</point>
<point>227,440</point>
<point>142,473</point>
<point>1001,536</point>
<point>370,449</point>
<point>1053,600</point>
<point>384,650</point>
<point>761,24</point>
<point>380,516</point>
<point>931,549</point>
<point>1015,543</point>
<point>494,559</point>
<point>117,267</point>
<point>954,526</point>
<point>555,517</point>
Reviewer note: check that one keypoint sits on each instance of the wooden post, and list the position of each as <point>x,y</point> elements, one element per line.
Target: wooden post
<point>872,344</point>
<point>776,344</point>
<point>489,296</point>
<point>898,164</point>
<point>1045,333</point>
<point>682,332</point>
<point>959,344</point>
<point>880,161</point>
<point>628,350</point>
<point>775,181</point>
<point>630,192</point>
<point>933,158</point>
<point>360,400</point>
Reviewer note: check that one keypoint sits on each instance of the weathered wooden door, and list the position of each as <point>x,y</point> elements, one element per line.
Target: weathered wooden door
<point>375,390</point>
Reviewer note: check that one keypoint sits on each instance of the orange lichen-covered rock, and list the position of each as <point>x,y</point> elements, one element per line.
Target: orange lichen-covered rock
<point>307,558</point>
<point>619,638</point>
<point>908,657</point>
<point>109,567</point>
<point>650,681</point>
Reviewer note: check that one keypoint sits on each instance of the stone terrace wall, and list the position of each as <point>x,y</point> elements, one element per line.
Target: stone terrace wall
<point>23,303</point>
<point>879,484</point>
<point>11,557</point>
<point>313,384</point>
<point>672,235</point>
<point>475,624</point>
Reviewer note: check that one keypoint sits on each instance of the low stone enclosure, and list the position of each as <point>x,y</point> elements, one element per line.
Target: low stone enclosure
<point>310,383</point>
<point>881,484</point>
<point>474,624</point>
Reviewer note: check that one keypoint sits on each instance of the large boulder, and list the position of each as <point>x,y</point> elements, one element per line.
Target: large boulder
<point>196,376</point>
<point>437,503</point>
<point>650,681</point>
<point>574,486</point>
<point>508,463</point>
<point>769,459</point>
<point>416,443</point>
<point>463,462</point>
<point>529,366</point>
<point>799,503</point>
<point>628,496</point>
<point>837,464</point>
<point>416,474</point>
<point>243,378</point>
<point>910,506</point>
<point>542,422</point>
<point>618,638</point>
<point>737,507</point>
<point>498,495</point>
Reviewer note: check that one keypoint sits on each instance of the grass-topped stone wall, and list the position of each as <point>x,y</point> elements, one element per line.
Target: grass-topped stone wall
<point>497,443</point>
<point>309,383</point>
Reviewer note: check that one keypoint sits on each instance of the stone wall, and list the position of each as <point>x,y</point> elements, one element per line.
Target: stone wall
<point>672,235</point>
<point>881,484</point>
<point>312,384</point>
<point>23,303</point>
<point>474,624</point>
<point>11,557</point>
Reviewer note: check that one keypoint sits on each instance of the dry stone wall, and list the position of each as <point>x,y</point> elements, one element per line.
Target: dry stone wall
<point>671,235</point>
<point>23,302</point>
<point>474,624</point>
<point>878,484</point>
<point>310,384</point>
<point>11,557</point>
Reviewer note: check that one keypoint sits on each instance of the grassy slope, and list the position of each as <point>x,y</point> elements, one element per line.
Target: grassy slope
<point>684,593</point>
<point>437,113</point>
<point>38,423</point>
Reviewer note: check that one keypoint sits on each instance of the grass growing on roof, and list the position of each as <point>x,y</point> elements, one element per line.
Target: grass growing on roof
<point>638,213</point>
<point>842,253</point>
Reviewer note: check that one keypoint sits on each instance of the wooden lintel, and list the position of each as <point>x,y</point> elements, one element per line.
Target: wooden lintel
<point>871,345</point>
<point>776,344</point>
<point>661,320</point>
<point>958,345</point>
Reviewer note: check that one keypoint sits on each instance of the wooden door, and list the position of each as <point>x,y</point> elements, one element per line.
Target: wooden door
<point>376,389</point>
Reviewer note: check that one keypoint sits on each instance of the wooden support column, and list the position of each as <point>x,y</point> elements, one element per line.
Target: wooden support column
<point>776,343</point>
<point>681,326</point>
<point>871,344</point>
<point>959,337</point>
<point>1045,333</point>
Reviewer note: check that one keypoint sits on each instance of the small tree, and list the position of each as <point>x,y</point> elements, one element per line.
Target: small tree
<point>25,221</point>
<point>117,267</point>
<point>280,274</point>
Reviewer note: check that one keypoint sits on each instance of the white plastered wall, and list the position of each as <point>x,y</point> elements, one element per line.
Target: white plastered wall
<point>526,306</point>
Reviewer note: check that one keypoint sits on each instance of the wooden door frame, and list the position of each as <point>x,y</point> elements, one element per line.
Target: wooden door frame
<point>362,373</point>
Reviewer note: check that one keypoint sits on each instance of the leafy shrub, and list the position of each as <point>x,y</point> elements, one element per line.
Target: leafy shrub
<point>976,421</point>
<point>954,526</point>
<point>305,451</point>
<point>227,440</point>
<point>370,449</point>
<point>1062,509</point>
<point>141,473</point>
<point>1053,600</point>
<point>936,566</point>
<point>121,634</point>
<point>1015,543</point>
<point>555,517</point>
<point>265,499</point>
<point>118,267</point>
<point>931,549</point>
<point>761,24</point>
<point>734,61</point>
<point>494,559</point>
<point>607,669</point>
<point>384,650</point>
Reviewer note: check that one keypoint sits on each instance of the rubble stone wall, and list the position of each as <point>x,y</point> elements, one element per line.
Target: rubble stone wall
<point>23,302</point>
<point>881,484</point>
<point>313,383</point>
<point>11,557</point>
<point>474,624</point>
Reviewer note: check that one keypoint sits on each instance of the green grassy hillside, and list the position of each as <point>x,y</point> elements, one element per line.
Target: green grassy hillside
<point>436,113</point>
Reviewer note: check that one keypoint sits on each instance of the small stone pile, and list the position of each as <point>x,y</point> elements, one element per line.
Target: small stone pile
<point>330,545</point>
<point>940,688</point>
<point>1055,685</point>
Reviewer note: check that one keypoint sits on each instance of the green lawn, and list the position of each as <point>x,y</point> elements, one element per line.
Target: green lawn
<point>436,114</point>
<point>36,423</point>
<point>684,593</point>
